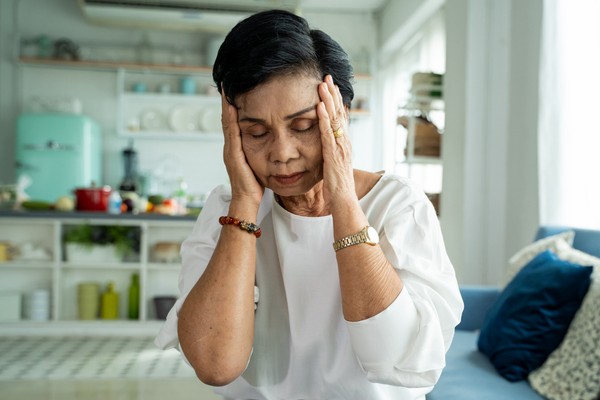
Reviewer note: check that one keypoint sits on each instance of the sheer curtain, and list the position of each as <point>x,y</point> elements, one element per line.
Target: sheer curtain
<point>569,118</point>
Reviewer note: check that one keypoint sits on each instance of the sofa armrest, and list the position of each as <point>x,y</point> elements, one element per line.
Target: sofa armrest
<point>478,300</point>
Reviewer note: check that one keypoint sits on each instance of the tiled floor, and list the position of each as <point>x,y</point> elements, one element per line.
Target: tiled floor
<point>69,368</point>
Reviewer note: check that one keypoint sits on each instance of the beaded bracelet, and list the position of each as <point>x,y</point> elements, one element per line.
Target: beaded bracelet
<point>243,225</point>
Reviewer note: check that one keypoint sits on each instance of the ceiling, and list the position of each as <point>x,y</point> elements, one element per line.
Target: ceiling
<point>342,5</point>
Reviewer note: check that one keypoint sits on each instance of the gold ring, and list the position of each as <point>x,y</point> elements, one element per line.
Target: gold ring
<point>339,132</point>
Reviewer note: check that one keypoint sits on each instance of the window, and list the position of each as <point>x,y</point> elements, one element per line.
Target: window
<point>425,51</point>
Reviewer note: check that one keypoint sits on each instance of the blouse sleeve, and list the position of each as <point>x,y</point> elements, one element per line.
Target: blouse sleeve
<point>406,343</point>
<point>196,252</point>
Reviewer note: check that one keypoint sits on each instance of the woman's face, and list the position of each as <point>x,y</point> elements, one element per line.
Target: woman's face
<point>280,133</point>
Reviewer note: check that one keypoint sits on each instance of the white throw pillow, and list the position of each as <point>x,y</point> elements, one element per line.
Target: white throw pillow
<point>526,254</point>
<point>572,371</point>
<point>565,252</point>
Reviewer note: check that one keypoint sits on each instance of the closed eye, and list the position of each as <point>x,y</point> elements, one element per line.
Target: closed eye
<point>304,126</point>
<point>255,131</point>
<point>257,135</point>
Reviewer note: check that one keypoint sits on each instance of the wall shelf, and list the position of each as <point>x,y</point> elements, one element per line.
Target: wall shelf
<point>173,115</point>
<point>115,65</point>
<point>170,135</point>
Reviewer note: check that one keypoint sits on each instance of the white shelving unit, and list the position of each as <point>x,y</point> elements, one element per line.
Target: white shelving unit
<point>169,114</point>
<point>61,277</point>
<point>424,100</point>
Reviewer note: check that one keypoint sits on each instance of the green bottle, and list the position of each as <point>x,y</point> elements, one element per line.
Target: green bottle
<point>134,297</point>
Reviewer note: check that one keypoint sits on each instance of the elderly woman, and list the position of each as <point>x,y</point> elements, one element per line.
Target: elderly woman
<point>305,278</point>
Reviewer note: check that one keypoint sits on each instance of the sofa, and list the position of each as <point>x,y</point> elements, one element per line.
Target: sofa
<point>468,373</point>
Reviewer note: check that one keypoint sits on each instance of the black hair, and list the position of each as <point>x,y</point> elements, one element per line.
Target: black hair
<point>274,43</point>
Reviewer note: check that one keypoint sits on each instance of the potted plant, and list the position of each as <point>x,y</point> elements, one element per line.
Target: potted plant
<point>100,243</point>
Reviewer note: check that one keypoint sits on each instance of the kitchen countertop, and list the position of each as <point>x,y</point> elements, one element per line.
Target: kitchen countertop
<point>94,215</point>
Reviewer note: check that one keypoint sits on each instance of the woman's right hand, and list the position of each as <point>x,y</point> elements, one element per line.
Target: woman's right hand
<point>244,186</point>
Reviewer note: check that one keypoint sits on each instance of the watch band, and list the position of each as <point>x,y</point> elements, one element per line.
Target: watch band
<point>357,238</point>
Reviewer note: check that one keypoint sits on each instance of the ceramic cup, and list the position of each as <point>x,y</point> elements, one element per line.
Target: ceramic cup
<point>38,305</point>
<point>187,85</point>
<point>139,87</point>
<point>164,88</point>
<point>162,305</point>
<point>88,300</point>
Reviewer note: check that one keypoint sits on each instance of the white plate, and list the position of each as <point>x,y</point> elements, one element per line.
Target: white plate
<point>184,119</point>
<point>152,120</point>
<point>210,119</point>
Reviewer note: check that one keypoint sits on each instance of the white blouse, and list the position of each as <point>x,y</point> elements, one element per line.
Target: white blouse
<point>303,348</point>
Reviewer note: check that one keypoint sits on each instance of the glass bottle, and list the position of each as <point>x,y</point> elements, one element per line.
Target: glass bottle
<point>180,196</point>
<point>110,303</point>
<point>144,50</point>
<point>134,297</point>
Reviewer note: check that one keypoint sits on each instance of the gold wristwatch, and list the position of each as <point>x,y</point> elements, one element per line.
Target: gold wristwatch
<point>367,235</point>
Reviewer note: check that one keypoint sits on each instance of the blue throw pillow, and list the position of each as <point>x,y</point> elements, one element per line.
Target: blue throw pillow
<point>532,315</point>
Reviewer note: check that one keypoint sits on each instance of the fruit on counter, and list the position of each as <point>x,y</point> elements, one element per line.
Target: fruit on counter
<point>64,203</point>
<point>131,202</point>
<point>156,199</point>
<point>37,205</point>
<point>167,207</point>
<point>128,206</point>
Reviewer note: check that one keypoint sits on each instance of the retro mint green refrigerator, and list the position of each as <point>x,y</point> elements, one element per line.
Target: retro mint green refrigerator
<point>57,153</point>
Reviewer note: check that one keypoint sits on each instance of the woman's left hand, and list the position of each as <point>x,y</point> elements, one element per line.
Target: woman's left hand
<point>338,176</point>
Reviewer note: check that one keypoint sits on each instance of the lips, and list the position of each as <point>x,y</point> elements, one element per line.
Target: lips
<point>288,179</point>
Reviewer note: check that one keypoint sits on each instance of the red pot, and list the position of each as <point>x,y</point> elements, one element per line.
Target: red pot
<point>92,199</point>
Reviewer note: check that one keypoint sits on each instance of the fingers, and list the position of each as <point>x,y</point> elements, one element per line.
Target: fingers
<point>328,141</point>
<point>337,151</point>
<point>231,129</point>
<point>334,111</point>
<point>330,95</point>
<point>228,117</point>
<point>327,138</point>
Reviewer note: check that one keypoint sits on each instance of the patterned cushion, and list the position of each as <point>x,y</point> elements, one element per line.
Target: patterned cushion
<point>528,253</point>
<point>572,371</point>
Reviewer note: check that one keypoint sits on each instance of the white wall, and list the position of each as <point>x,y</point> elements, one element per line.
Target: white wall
<point>490,199</point>
<point>495,113</point>
<point>201,161</point>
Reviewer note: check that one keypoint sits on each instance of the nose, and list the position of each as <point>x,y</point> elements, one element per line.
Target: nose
<point>283,147</point>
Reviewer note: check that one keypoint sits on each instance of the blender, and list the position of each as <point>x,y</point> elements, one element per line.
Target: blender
<point>130,180</point>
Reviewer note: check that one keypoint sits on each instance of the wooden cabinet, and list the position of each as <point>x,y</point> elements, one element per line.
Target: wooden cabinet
<point>61,276</point>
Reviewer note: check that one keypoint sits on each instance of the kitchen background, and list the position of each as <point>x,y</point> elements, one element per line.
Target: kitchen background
<point>195,158</point>
<point>488,53</point>
<point>490,92</point>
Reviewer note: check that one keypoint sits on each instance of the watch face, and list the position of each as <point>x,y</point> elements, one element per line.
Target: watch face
<point>373,235</point>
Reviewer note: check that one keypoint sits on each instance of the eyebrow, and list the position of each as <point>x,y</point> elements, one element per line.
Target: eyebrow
<point>287,117</point>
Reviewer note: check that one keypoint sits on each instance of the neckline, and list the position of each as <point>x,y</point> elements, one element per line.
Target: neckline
<point>279,207</point>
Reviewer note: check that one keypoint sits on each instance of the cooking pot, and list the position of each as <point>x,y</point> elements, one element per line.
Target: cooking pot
<point>92,199</point>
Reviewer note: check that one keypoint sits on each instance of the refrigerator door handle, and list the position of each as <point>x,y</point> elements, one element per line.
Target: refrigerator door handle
<point>50,145</point>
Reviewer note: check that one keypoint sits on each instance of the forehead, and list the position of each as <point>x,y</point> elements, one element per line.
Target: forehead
<point>283,94</point>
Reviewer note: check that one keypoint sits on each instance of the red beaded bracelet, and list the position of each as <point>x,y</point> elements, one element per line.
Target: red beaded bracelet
<point>243,225</point>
